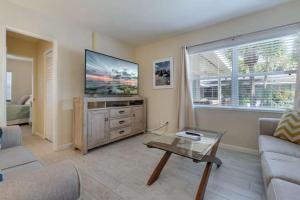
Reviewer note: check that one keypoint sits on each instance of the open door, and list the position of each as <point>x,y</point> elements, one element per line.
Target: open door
<point>49,95</point>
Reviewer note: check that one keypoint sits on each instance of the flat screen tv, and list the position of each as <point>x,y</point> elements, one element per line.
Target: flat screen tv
<point>109,76</point>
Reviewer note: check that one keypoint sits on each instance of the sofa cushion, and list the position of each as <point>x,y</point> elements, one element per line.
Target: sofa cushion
<point>289,127</point>
<point>11,136</point>
<point>273,144</point>
<point>15,172</point>
<point>57,182</point>
<point>275,165</point>
<point>282,190</point>
<point>15,156</point>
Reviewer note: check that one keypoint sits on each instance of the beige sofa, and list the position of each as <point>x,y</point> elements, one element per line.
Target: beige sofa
<point>26,179</point>
<point>280,162</point>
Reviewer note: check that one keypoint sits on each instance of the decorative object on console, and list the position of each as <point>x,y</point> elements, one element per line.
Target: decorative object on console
<point>163,74</point>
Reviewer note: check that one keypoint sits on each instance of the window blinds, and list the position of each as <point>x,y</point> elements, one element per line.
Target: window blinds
<point>212,77</point>
<point>259,74</point>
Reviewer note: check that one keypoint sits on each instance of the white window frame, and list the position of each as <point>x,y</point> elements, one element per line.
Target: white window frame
<point>236,41</point>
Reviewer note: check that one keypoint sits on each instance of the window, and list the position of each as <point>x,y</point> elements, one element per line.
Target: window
<point>8,85</point>
<point>212,73</point>
<point>255,75</point>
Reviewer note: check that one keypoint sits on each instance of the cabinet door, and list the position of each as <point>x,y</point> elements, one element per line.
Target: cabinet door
<point>138,123</point>
<point>97,127</point>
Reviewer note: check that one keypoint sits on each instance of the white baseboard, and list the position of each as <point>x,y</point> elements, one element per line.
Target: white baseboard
<point>39,134</point>
<point>63,146</point>
<point>239,149</point>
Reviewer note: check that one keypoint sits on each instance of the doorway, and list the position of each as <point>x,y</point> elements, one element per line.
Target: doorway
<point>34,108</point>
<point>19,89</point>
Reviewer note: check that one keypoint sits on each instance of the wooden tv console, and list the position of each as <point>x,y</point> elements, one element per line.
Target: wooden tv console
<point>99,121</point>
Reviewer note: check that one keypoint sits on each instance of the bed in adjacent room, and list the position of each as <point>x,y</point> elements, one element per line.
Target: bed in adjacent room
<point>19,113</point>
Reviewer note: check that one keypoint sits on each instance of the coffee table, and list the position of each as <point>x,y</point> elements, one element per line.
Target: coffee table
<point>203,150</point>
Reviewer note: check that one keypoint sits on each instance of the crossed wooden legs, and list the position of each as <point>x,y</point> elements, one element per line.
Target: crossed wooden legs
<point>159,168</point>
<point>206,173</point>
<point>210,159</point>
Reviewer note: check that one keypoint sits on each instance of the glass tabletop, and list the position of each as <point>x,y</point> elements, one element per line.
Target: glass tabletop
<point>195,148</point>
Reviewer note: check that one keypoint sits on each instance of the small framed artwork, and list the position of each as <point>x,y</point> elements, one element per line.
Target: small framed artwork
<point>163,73</point>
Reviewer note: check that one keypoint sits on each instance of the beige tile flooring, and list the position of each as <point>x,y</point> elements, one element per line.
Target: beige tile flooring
<point>119,172</point>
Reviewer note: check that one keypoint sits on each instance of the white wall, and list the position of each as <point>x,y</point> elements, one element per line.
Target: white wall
<point>241,126</point>
<point>72,40</point>
<point>110,46</point>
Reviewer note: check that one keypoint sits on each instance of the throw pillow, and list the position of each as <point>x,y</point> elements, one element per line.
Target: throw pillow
<point>23,99</point>
<point>289,127</point>
<point>29,100</point>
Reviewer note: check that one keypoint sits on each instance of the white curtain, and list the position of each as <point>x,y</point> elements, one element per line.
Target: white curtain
<point>186,115</point>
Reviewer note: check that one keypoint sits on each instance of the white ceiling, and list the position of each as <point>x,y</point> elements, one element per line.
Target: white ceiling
<point>140,21</point>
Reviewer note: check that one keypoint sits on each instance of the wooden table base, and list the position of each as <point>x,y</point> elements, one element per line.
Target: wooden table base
<point>210,159</point>
<point>206,174</point>
<point>159,168</point>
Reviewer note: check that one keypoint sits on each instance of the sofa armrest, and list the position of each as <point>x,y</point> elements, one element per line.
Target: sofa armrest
<point>267,126</point>
<point>11,136</point>
<point>59,181</point>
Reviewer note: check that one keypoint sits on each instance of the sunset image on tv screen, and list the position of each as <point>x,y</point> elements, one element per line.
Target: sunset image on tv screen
<point>107,75</point>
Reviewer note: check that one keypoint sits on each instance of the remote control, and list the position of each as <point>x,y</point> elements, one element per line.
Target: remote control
<point>191,133</point>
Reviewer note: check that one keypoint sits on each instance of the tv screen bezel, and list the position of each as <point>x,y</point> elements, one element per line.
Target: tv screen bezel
<point>112,95</point>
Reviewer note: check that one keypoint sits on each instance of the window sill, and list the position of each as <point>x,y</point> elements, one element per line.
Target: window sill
<point>269,110</point>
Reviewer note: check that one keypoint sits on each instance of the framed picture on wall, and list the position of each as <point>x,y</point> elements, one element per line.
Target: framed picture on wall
<point>163,74</point>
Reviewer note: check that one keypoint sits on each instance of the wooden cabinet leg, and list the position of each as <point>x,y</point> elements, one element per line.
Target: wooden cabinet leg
<point>159,168</point>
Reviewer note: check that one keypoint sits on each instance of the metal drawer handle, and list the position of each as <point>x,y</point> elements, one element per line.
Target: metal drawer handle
<point>121,111</point>
<point>121,132</point>
<point>121,122</point>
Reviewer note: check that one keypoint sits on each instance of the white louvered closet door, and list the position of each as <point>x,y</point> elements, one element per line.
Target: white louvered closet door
<point>49,96</point>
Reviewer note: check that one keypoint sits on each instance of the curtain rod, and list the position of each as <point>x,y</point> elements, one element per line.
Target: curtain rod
<point>245,34</point>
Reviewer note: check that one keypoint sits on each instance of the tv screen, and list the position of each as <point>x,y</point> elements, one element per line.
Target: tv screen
<point>108,76</point>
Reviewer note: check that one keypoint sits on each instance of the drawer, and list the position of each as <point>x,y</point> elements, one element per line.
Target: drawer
<point>115,123</point>
<point>120,132</point>
<point>120,112</point>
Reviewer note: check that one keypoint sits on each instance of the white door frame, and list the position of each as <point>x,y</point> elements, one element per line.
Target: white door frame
<point>3,58</point>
